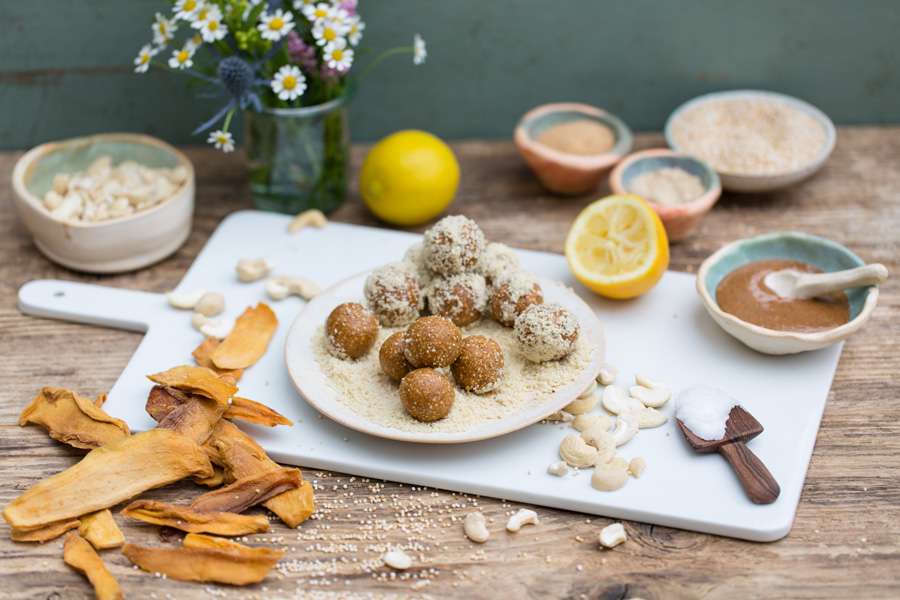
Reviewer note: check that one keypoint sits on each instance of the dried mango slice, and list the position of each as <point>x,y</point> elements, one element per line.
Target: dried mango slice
<point>194,419</point>
<point>101,530</point>
<point>79,555</point>
<point>206,559</point>
<point>242,457</point>
<point>203,353</point>
<point>44,534</point>
<point>250,411</point>
<point>248,491</point>
<point>107,476</point>
<point>187,519</point>
<point>218,478</point>
<point>72,419</point>
<point>101,400</point>
<point>248,340</point>
<point>196,380</point>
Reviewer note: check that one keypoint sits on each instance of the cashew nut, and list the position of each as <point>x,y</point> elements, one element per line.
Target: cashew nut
<point>211,304</point>
<point>215,328</point>
<point>650,417</point>
<point>559,468</point>
<point>607,375</point>
<point>475,528</point>
<point>589,390</point>
<point>523,517</point>
<point>279,288</point>
<point>576,452</point>
<point>650,397</point>
<point>308,218</point>
<point>585,422</point>
<point>397,559</point>
<point>636,467</point>
<point>581,405</point>
<point>609,476</point>
<point>616,402</point>
<point>612,535</point>
<point>184,300</point>
<point>600,438</point>
<point>252,269</point>
<point>559,416</point>
<point>627,425</point>
<point>198,320</point>
<point>618,462</point>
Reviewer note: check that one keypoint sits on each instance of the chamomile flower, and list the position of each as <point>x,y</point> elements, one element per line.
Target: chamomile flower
<point>419,51</point>
<point>354,30</point>
<point>205,13</point>
<point>328,30</point>
<point>276,25</point>
<point>213,29</point>
<point>186,9</point>
<point>337,55</point>
<point>142,60</point>
<point>222,140</point>
<point>193,42</point>
<point>289,82</point>
<point>163,30</point>
<point>182,59</point>
<point>317,12</point>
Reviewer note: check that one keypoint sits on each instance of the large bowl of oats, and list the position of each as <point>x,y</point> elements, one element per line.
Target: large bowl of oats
<point>756,141</point>
<point>105,203</point>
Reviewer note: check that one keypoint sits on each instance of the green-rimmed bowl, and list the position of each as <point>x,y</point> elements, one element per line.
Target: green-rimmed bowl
<point>788,245</point>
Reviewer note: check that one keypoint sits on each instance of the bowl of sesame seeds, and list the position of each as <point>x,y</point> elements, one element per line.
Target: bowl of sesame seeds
<point>757,141</point>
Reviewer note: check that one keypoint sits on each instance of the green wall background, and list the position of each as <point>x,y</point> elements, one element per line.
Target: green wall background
<point>65,65</point>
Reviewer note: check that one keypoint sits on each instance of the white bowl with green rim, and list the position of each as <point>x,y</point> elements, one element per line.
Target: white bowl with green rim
<point>825,254</point>
<point>109,246</point>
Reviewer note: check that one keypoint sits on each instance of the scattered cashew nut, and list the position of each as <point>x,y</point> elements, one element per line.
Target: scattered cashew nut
<point>559,416</point>
<point>198,320</point>
<point>585,422</point>
<point>252,269</point>
<point>475,528</point>
<point>184,300</point>
<point>650,417</point>
<point>279,288</point>
<point>211,304</point>
<point>581,405</point>
<point>612,535</point>
<point>610,476</point>
<point>308,218</point>
<point>607,375</point>
<point>600,438</point>
<point>650,397</point>
<point>215,328</point>
<point>637,466</point>
<point>615,400</point>
<point>576,452</point>
<point>397,559</point>
<point>523,517</point>
<point>627,425</point>
<point>559,468</point>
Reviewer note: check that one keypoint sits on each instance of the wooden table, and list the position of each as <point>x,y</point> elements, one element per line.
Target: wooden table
<point>846,538</point>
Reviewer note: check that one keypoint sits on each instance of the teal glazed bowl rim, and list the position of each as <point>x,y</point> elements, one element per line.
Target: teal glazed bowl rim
<point>792,245</point>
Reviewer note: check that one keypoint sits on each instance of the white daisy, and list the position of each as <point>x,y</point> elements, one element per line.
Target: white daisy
<point>163,30</point>
<point>181,59</point>
<point>328,30</point>
<point>337,55</point>
<point>186,9</point>
<point>317,12</point>
<point>354,30</point>
<point>213,29</point>
<point>193,42</point>
<point>205,13</point>
<point>276,25</point>
<point>289,82</point>
<point>419,51</point>
<point>222,140</point>
<point>142,60</point>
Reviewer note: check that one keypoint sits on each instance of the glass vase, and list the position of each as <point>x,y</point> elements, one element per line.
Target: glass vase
<point>298,157</point>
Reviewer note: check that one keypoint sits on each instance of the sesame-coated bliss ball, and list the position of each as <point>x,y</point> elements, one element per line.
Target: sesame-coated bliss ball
<point>350,331</point>
<point>546,332</point>
<point>432,342</point>
<point>392,356</point>
<point>496,262</point>
<point>479,367</point>
<point>392,293</point>
<point>427,395</point>
<point>453,245</point>
<point>512,294</point>
<point>461,298</point>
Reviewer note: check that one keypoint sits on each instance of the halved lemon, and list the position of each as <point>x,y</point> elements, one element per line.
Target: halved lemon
<point>618,247</point>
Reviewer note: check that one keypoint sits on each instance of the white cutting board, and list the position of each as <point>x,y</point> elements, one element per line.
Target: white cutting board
<point>665,334</point>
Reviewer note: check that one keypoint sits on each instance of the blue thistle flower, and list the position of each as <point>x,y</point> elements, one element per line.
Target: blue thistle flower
<point>237,76</point>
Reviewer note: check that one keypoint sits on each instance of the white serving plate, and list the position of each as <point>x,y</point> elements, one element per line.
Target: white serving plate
<point>315,388</point>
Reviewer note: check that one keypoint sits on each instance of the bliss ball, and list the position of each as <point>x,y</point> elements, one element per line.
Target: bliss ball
<point>453,245</point>
<point>497,261</point>
<point>393,358</point>
<point>461,298</point>
<point>479,366</point>
<point>546,332</point>
<point>432,342</point>
<point>512,294</point>
<point>393,294</point>
<point>427,395</point>
<point>350,330</point>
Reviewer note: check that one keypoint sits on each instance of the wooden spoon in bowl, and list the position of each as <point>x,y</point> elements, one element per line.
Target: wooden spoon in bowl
<point>790,283</point>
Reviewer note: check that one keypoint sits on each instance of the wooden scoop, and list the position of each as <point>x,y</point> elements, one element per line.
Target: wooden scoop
<point>741,427</point>
<point>790,283</point>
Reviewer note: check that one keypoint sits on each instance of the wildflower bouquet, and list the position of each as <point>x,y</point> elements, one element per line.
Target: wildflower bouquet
<point>286,64</point>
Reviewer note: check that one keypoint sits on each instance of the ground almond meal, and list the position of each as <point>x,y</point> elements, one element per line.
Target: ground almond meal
<point>366,390</point>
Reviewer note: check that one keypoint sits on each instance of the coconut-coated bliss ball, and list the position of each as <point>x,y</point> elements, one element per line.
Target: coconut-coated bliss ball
<point>479,367</point>
<point>392,356</point>
<point>393,294</point>
<point>461,298</point>
<point>497,261</point>
<point>453,245</point>
<point>546,332</point>
<point>427,395</point>
<point>350,330</point>
<point>432,342</point>
<point>512,294</point>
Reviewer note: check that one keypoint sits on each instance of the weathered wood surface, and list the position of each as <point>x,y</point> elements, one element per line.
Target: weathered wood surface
<point>846,538</point>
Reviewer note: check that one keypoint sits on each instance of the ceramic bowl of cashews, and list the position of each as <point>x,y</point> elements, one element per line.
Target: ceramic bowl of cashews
<point>602,422</point>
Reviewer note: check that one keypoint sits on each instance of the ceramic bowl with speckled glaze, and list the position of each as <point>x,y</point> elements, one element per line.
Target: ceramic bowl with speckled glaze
<point>564,173</point>
<point>114,245</point>
<point>825,254</point>
<point>680,220</point>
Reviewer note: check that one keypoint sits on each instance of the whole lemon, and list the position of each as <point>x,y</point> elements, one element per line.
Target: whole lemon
<point>409,177</point>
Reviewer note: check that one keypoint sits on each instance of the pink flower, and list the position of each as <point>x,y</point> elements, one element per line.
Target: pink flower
<point>300,52</point>
<point>349,6</point>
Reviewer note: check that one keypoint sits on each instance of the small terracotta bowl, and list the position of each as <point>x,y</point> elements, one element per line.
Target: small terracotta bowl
<point>563,173</point>
<point>680,220</point>
<point>790,245</point>
<point>115,245</point>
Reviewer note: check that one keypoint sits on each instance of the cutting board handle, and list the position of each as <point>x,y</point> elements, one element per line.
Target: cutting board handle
<point>88,303</point>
